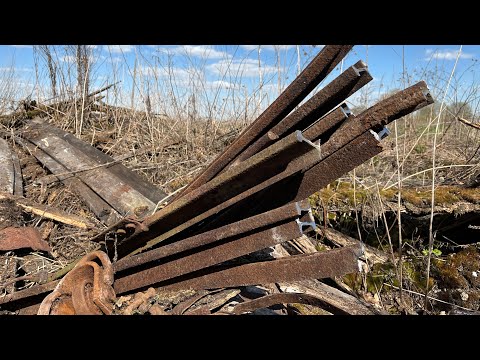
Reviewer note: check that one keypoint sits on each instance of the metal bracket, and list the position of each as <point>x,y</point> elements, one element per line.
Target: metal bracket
<point>382,134</point>
<point>359,70</point>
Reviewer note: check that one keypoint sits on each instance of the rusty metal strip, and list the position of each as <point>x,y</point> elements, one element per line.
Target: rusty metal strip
<point>328,123</point>
<point>298,89</point>
<point>326,264</point>
<point>346,84</point>
<point>17,299</point>
<point>274,299</point>
<point>96,204</point>
<point>341,162</point>
<point>131,178</point>
<point>376,117</point>
<point>218,191</point>
<point>400,104</point>
<point>114,190</point>
<point>185,305</point>
<point>275,234</point>
<point>262,221</point>
<point>385,111</point>
<point>215,301</point>
<point>12,238</point>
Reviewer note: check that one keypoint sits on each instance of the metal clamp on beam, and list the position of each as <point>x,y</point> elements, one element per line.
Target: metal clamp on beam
<point>311,222</point>
<point>382,134</point>
<point>362,67</point>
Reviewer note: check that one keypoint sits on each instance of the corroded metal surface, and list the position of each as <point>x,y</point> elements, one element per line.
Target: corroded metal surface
<point>305,82</point>
<point>327,123</point>
<point>324,264</point>
<point>13,238</point>
<point>217,192</point>
<point>274,299</point>
<point>85,290</point>
<point>236,247</point>
<point>262,221</point>
<point>339,163</point>
<point>346,84</point>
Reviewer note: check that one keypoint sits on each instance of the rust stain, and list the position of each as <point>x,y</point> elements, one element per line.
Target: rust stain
<point>13,238</point>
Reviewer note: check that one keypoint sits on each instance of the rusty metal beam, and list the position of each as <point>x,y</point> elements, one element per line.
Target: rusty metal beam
<point>27,297</point>
<point>341,162</point>
<point>256,223</point>
<point>224,251</point>
<point>218,191</point>
<point>382,113</point>
<point>408,100</point>
<point>274,299</point>
<point>329,122</point>
<point>319,265</point>
<point>346,84</point>
<point>283,188</point>
<point>298,89</point>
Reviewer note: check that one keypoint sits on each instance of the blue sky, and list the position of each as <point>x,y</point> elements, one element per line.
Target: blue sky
<point>226,74</point>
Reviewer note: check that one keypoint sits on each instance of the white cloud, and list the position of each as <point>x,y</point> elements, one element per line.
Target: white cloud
<point>446,54</point>
<point>221,84</point>
<point>119,49</point>
<point>68,59</point>
<point>201,51</point>
<point>246,68</point>
<point>16,69</point>
<point>178,74</point>
<point>268,47</point>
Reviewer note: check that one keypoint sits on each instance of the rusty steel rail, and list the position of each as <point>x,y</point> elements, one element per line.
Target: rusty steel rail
<point>329,122</point>
<point>274,299</point>
<point>388,110</point>
<point>346,84</point>
<point>397,105</point>
<point>298,89</point>
<point>326,264</point>
<point>27,297</point>
<point>236,247</point>
<point>255,223</point>
<point>216,192</point>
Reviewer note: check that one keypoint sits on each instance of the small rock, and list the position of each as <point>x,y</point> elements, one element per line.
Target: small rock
<point>443,313</point>
<point>464,296</point>
<point>474,274</point>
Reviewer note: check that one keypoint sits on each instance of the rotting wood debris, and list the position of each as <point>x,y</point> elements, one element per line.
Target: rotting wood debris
<point>216,247</point>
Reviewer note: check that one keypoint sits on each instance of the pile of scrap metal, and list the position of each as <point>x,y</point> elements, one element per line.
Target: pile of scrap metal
<point>252,197</point>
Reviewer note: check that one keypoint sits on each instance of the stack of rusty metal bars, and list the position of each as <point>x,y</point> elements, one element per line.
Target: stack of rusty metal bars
<point>255,194</point>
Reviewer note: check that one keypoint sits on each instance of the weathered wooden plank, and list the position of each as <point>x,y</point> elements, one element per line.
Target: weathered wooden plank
<point>7,171</point>
<point>117,193</point>
<point>131,178</point>
<point>339,239</point>
<point>104,212</point>
<point>17,169</point>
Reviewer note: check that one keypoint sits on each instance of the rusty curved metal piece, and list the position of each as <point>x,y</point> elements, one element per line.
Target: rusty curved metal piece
<point>274,299</point>
<point>85,290</point>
